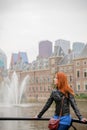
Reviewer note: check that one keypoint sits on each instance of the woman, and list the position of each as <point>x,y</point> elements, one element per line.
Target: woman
<point>62,90</point>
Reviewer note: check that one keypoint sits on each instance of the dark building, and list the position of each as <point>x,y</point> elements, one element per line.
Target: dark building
<point>45,49</point>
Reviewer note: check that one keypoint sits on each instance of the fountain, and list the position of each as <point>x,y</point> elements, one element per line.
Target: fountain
<point>11,91</point>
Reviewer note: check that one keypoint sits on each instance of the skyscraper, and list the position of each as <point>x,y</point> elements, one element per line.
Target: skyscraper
<point>78,47</point>
<point>45,49</point>
<point>64,44</point>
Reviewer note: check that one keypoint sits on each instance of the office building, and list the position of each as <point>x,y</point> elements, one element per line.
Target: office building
<point>64,44</point>
<point>45,49</point>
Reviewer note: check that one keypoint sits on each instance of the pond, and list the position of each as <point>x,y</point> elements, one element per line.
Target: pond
<point>30,110</point>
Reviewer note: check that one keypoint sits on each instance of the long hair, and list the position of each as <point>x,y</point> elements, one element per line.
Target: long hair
<point>63,84</point>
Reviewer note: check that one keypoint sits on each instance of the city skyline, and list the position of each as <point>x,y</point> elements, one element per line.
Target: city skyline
<point>24,23</point>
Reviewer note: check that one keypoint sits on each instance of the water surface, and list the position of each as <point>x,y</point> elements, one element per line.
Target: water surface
<point>30,110</point>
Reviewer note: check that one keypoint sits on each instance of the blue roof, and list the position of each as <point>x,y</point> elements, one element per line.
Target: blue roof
<point>24,57</point>
<point>15,57</point>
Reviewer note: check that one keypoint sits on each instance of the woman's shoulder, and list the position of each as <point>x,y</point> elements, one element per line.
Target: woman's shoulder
<point>56,94</point>
<point>55,91</point>
<point>70,96</point>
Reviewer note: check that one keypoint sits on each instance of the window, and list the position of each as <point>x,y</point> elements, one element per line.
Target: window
<point>70,85</point>
<point>70,78</point>
<point>84,62</point>
<point>85,74</point>
<point>44,88</point>
<point>85,86</point>
<point>77,63</point>
<point>48,79</point>
<point>78,86</point>
<point>36,79</point>
<point>36,88</point>
<point>78,74</point>
<point>48,88</point>
<point>40,88</point>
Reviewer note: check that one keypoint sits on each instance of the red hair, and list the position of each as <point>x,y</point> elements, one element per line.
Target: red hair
<point>63,84</point>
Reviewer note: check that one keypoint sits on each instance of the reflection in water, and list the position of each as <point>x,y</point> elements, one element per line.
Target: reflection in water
<point>30,111</point>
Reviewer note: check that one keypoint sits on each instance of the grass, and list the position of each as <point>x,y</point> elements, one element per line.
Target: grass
<point>81,96</point>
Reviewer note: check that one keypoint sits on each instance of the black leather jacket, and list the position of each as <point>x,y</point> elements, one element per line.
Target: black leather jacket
<point>57,97</point>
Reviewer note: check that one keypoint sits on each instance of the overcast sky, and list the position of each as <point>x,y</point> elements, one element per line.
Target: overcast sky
<point>23,23</point>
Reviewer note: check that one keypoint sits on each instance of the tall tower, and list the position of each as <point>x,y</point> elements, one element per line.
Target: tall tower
<point>78,47</point>
<point>45,49</point>
<point>64,44</point>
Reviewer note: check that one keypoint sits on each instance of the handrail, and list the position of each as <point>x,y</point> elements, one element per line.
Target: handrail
<point>78,121</point>
<point>23,118</point>
<point>35,119</point>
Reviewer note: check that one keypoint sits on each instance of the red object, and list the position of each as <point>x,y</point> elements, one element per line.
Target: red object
<point>53,124</point>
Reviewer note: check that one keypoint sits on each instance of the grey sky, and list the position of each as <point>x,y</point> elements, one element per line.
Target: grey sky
<point>23,23</point>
